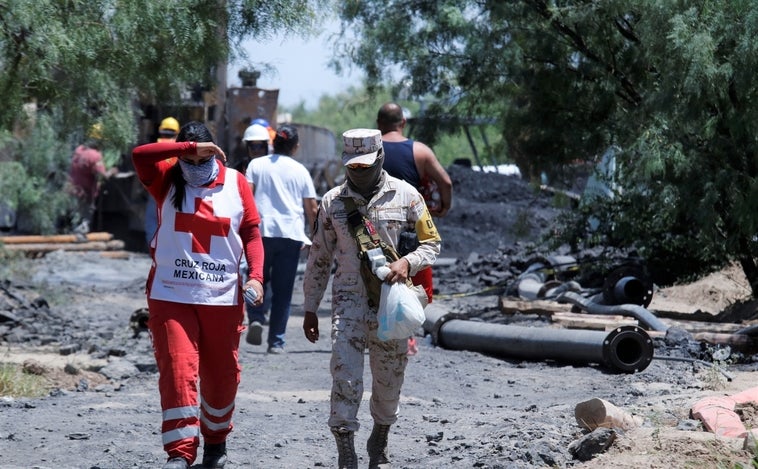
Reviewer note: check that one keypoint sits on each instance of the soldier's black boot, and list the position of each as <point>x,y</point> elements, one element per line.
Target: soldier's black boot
<point>346,457</point>
<point>377,447</point>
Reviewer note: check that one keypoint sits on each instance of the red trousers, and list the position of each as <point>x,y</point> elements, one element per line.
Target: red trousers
<point>424,278</point>
<point>194,342</point>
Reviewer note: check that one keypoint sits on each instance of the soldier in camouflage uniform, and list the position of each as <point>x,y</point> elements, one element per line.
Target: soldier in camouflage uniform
<point>393,206</point>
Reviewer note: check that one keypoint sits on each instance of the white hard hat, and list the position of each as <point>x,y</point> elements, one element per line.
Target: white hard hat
<point>256,132</point>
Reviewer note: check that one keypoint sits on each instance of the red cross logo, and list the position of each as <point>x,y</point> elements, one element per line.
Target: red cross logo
<point>202,225</point>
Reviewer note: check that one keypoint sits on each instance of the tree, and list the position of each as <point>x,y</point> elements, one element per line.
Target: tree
<point>67,64</point>
<point>669,82</point>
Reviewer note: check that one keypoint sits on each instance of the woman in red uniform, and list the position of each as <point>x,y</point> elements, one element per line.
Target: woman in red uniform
<point>207,220</point>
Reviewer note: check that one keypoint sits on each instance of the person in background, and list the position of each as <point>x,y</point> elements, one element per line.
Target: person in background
<point>86,175</point>
<point>207,222</point>
<point>392,206</point>
<point>256,139</point>
<point>256,144</point>
<point>271,130</point>
<point>286,198</point>
<point>416,164</point>
<point>167,132</point>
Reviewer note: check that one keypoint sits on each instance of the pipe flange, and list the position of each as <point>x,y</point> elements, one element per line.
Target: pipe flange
<point>439,323</point>
<point>628,349</point>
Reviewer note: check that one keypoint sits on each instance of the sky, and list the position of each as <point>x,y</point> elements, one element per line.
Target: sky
<point>301,73</point>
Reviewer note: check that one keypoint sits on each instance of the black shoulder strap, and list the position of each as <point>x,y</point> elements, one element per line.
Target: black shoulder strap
<point>364,232</point>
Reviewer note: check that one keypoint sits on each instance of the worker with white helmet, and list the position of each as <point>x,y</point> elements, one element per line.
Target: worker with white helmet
<point>256,139</point>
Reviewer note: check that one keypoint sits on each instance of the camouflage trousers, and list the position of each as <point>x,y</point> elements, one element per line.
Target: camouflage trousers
<point>354,331</point>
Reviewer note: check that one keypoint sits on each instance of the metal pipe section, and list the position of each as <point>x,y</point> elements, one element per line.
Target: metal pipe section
<point>626,349</point>
<point>629,290</point>
<point>529,286</point>
<point>638,312</point>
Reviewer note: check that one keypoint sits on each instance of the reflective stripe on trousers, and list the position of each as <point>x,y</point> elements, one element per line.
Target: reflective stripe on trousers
<point>195,344</point>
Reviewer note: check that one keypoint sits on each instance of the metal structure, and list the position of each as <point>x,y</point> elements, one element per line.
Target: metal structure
<point>227,113</point>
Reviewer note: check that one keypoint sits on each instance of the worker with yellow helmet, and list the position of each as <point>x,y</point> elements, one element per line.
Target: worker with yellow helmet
<point>167,132</point>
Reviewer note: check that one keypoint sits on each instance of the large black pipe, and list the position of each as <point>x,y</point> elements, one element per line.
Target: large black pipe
<point>626,349</point>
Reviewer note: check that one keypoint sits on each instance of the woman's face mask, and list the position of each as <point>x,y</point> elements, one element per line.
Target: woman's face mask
<point>198,175</point>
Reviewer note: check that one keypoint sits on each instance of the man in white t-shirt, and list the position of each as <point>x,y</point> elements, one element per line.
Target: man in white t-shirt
<point>286,198</point>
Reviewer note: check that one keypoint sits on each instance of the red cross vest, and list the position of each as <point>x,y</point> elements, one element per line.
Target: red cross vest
<point>198,250</point>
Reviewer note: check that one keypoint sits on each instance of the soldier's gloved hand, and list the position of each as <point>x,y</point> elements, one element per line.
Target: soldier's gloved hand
<point>310,326</point>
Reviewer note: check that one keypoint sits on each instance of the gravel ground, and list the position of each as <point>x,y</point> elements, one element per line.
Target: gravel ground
<point>459,408</point>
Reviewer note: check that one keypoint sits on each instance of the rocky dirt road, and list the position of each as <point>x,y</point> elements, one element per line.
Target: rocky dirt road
<point>460,409</point>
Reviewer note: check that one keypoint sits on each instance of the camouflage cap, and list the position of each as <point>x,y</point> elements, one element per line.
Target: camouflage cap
<point>361,146</point>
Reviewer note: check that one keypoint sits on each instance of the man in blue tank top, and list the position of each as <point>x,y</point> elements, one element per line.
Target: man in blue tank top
<point>412,161</point>
<point>416,164</point>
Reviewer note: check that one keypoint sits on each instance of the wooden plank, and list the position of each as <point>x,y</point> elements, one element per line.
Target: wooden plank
<point>561,314</point>
<point>592,321</point>
<point>598,321</point>
<point>116,254</point>
<point>49,247</point>
<point>64,238</point>
<point>740,342</point>
<point>511,305</point>
<point>694,327</point>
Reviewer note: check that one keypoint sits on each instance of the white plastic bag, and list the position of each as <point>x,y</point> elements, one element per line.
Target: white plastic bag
<point>400,312</point>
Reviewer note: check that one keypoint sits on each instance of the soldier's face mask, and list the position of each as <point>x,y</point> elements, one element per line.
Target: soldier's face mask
<point>365,179</point>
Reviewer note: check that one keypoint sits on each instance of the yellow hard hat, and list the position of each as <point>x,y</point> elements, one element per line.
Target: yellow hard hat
<point>95,131</point>
<point>169,124</point>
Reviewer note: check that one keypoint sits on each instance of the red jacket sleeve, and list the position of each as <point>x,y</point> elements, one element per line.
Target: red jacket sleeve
<point>249,229</point>
<point>153,160</point>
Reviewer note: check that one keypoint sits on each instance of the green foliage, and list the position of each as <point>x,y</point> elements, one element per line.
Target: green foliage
<point>32,182</point>
<point>349,109</point>
<point>90,60</point>
<point>69,65</point>
<point>669,82</point>
<point>356,107</point>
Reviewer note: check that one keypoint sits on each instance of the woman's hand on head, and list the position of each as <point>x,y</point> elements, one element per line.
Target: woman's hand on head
<point>209,149</point>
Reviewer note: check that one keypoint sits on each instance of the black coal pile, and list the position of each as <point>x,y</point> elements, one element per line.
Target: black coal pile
<point>492,211</point>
